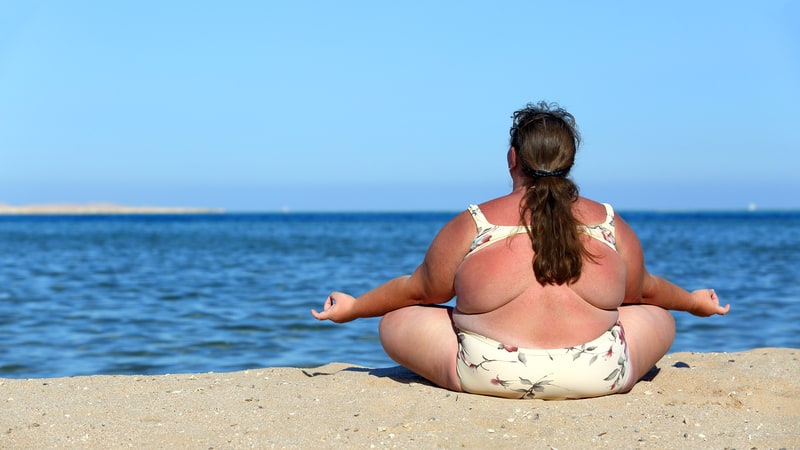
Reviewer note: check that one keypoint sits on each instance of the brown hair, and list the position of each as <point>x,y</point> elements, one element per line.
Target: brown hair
<point>545,138</point>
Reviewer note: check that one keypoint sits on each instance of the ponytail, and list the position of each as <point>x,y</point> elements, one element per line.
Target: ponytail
<point>558,250</point>
<point>546,138</point>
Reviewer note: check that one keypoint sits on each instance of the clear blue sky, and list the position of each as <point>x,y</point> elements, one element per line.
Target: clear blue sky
<point>260,106</point>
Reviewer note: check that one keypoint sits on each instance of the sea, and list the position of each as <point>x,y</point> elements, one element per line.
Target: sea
<point>165,294</point>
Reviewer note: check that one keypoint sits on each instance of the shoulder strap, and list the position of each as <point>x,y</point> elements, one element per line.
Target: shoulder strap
<point>479,218</point>
<point>609,215</point>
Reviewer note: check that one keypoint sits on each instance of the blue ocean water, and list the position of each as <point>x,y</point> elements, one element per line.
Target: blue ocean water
<point>154,294</point>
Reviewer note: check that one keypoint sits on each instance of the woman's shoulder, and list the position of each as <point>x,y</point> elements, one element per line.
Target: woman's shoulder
<point>589,211</point>
<point>502,210</point>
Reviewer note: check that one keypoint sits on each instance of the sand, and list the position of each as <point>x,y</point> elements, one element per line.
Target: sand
<point>747,400</point>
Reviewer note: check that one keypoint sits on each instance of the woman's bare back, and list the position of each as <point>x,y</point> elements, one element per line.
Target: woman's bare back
<point>499,297</point>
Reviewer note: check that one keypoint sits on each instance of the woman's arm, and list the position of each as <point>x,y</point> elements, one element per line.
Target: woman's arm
<point>431,283</point>
<point>394,294</point>
<point>642,287</point>
<point>661,292</point>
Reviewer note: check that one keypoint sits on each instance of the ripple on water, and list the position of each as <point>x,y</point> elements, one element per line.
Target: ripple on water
<point>197,294</point>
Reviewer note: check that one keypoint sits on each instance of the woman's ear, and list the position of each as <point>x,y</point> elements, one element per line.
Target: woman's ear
<point>511,157</point>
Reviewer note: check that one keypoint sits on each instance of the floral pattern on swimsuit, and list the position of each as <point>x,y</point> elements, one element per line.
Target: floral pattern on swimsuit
<point>603,232</point>
<point>592,369</point>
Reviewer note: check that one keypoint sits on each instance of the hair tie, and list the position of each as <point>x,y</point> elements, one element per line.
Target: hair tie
<point>536,173</point>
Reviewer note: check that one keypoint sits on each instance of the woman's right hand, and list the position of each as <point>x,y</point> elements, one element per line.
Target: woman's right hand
<point>337,308</point>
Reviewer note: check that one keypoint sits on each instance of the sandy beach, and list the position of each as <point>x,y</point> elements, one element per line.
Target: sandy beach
<point>695,400</point>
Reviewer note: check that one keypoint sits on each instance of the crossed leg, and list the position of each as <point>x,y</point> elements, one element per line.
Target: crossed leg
<point>423,340</point>
<point>649,331</point>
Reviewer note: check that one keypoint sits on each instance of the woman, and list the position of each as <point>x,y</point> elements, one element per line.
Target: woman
<point>552,296</point>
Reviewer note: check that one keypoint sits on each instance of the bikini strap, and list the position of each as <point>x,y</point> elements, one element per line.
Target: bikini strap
<point>609,215</point>
<point>604,232</point>
<point>480,220</point>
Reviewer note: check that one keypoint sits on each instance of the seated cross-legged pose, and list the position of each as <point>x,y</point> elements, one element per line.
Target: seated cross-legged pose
<point>552,296</point>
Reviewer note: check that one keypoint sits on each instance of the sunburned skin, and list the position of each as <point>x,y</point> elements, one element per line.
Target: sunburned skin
<point>499,297</point>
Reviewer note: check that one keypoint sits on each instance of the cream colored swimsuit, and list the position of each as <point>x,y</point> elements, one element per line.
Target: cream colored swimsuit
<point>489,233</point>
<point>485,366</point>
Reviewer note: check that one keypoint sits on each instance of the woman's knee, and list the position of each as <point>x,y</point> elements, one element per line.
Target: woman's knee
<point>665,323</point>
<point>650,320</point>
<point>389,324</point>
<point>394,329</point>
<point>385,329</point>
<point>422,339</point>
<point>650,331</point>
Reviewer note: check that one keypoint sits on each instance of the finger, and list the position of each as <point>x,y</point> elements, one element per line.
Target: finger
<point>328,304</point>
<point>721,310</point>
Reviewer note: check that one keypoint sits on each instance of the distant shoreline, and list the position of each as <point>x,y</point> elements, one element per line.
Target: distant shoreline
<point>99,208</point>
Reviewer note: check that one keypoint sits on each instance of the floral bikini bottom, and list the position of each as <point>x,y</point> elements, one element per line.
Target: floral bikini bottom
<point>596,368</point>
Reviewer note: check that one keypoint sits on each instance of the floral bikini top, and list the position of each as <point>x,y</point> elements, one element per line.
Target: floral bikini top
<point>489,233</point>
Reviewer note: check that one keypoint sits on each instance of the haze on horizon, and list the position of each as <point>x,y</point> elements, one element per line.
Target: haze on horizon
<point>352,106</point>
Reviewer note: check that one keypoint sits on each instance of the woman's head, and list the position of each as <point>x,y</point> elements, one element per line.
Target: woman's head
<point>545,138</point>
